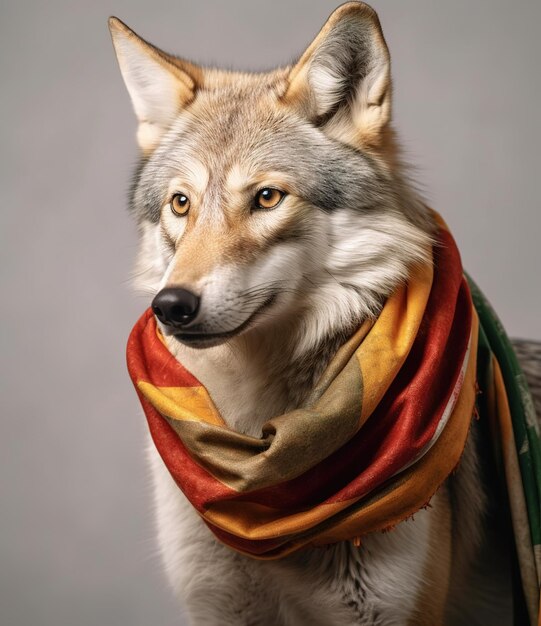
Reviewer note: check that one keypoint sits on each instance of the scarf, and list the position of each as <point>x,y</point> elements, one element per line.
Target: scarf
<point>383,428</point>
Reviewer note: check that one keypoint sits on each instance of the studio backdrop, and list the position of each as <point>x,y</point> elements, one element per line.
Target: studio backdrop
<point>76,536</point>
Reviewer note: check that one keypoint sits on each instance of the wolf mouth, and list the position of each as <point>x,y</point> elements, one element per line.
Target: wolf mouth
<point>206,340</point>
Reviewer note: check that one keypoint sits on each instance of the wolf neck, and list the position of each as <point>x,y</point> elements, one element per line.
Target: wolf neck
<point>256,378</point>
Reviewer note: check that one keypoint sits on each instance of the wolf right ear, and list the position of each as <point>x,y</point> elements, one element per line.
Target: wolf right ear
<point>343,78</point>
<point>159,84</point>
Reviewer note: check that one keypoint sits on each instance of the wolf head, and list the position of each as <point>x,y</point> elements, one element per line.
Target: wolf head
<point>271,202</point>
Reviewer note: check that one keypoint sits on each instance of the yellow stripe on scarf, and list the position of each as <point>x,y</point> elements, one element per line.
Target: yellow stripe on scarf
<point>192,404</point>
<point>387,345</point>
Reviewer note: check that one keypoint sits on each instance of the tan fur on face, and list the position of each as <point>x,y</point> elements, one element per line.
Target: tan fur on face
<point>194,184</point>
<point>240,238</point>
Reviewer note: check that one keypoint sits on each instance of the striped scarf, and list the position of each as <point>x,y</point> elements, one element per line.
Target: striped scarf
<point>381,431</point>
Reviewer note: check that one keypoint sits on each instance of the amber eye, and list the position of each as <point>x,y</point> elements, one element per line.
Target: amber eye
<point>180,204</point>
<point>268,198</point>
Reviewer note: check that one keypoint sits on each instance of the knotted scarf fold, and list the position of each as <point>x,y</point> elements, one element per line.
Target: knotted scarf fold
<point>383,428</point>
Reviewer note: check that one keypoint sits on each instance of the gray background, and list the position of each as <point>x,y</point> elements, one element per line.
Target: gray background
<point>76,544</point>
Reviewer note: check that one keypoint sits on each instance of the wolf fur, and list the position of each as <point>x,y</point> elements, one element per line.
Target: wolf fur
<point>298,279</point>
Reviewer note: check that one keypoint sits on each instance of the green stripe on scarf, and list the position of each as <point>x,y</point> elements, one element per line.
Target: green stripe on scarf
<point>493,340</point>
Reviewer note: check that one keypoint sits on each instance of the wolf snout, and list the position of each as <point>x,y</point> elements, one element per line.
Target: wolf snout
<point>175,306</point>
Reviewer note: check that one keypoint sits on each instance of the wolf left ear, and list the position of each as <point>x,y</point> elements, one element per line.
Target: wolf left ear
<point>343,78</point>
<point>159,84</point>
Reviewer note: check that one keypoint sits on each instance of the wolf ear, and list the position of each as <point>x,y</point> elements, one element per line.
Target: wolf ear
<point>159,84</point>
<point>343,78</point>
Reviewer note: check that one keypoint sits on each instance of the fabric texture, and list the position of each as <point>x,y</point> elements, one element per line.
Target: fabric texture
<point>381,431</point>
<point>506,404</point>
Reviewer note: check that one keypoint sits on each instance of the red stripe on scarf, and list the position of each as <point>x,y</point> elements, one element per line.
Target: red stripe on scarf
<point>150,361</point>
<point>197,484</point>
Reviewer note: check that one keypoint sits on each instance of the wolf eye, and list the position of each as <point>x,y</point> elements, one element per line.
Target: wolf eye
<point>180,204</point>
<point>268,198</point>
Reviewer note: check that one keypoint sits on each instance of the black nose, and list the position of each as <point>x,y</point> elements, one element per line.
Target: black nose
<point>174,306</point>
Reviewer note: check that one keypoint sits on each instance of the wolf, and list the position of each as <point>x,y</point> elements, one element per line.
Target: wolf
<point>275,215</point>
